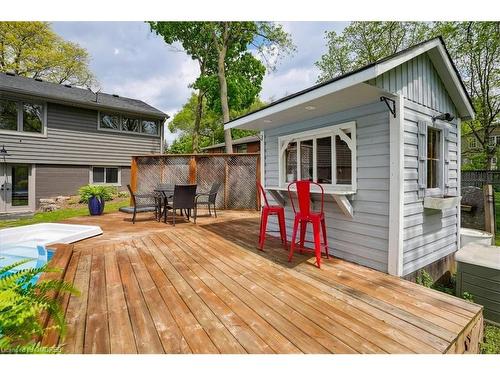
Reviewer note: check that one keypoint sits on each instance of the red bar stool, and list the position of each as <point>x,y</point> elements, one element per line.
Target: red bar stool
<point>305,216</point>
<point>271,210</point>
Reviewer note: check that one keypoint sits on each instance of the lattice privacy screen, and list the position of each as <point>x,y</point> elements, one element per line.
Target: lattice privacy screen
<point>236,173</point>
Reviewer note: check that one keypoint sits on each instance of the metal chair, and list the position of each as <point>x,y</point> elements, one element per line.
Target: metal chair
<point>143,202</point>
<point>304,216</point>
<point>183,199</point>
<point>271,210</point>
<point>209,198</point>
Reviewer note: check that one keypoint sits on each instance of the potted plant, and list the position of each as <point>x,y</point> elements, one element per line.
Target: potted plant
<point>95,196</point>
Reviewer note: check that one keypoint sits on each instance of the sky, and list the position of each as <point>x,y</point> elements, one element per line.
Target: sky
<point>129,60</point>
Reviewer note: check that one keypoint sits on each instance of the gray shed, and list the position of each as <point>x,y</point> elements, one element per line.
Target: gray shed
<point>384,142</point>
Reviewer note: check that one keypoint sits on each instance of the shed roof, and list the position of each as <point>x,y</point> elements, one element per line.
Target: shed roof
<point>239,141</point>
<point>438,54</point>
<point>74,95</point>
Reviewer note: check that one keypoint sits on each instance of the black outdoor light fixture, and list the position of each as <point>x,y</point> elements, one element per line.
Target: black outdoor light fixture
<point>444,117</point>
<point>3,151</point>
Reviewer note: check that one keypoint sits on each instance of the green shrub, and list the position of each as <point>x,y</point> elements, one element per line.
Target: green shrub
<point>21,304</point>
<point>491,343</point>
<point>88,191</point>
<point>423,278</point>
<point>123,194</point>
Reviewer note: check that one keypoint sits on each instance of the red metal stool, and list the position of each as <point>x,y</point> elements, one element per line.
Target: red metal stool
<point>305,216</point>
<point>271,210</point>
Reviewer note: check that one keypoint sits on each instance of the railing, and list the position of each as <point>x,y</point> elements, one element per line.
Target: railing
<point>238,174</point>
<point>479,178</point>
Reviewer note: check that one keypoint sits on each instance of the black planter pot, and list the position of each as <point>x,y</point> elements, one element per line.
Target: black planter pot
<point>96,206</point>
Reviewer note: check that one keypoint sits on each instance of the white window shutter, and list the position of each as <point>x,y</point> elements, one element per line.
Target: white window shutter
<point>422,159</point>
<point>446,157</point>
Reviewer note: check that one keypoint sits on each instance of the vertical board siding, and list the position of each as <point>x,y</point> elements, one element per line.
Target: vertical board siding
<point>73,138</point>
<point>429,235</point>
<point>362,239</point>
<point>418,82</point>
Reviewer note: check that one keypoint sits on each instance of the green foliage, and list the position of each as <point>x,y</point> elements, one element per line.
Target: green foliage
<point>468,296</point>
<point>32,49</point>
<point>60,215</point>
<point>100,191</point>
<point>362,43</point>
<point>21,304</point>
<point>423,278</point>
<point>491,343</point>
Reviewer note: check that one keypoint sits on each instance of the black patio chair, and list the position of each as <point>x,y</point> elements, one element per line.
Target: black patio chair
<point>142,202</point>
<point>183,199</point>
<point>208,198</point>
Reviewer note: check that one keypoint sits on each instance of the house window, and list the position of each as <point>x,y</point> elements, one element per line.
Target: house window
<point>110,121</point>
<point>105,175</point>
<point>434,158</point>
<point>472,142</point>
<point>325,155</point>
<point>130,124</point>
<point>150,127</point>
<point>23,117</point>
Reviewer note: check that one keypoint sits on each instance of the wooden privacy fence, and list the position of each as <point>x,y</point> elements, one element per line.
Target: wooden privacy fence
<point>237,173</point>
<point>479,178</point>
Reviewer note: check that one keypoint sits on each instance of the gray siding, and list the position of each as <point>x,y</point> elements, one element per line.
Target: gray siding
<point>417,81</point>
<point>362,239</point>
<point>54,180</point>
<point>428,234</point>
<point>73,138</point>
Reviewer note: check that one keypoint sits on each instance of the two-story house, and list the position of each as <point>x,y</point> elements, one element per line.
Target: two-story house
<point>55,138</point>
<point>472,148</point>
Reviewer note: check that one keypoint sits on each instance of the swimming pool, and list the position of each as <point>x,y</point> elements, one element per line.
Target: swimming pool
<point>30,242</point>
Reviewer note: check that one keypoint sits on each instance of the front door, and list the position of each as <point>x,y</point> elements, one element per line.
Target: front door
<point>15,189</point>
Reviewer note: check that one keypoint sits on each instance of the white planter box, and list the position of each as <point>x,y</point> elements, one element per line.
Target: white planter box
<point>438,203</point>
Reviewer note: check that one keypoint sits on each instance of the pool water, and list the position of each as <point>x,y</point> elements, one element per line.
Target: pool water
<point>37,256</point>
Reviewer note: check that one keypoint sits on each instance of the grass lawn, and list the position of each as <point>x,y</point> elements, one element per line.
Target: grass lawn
<point>66,213</point>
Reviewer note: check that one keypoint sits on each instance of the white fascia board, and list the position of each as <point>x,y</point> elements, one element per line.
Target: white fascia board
<point>330,88</point>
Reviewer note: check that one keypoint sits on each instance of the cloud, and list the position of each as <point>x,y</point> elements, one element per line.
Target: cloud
<point>129,60</point>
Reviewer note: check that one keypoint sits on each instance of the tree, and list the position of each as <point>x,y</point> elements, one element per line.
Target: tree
<point>473,46</point>
<point>211,130</point>
<point>232,39</point>
<point>32,49</point>
<point>233,75</point>
<point>362,43</point>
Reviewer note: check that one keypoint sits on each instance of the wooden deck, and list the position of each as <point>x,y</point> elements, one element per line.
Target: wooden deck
<point>205,288</point>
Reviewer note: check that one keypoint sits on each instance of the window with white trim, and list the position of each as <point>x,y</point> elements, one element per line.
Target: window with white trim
<point>472,141</point>
<point>116,122</point>
<point>105,176</point>
<point>325,155</point>
<point>22,116</point>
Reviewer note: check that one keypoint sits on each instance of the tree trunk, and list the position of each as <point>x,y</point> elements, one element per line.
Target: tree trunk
<point>197,122</point>
<point>221,73</point>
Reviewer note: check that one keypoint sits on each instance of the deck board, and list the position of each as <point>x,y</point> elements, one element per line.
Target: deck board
<point>205,288</point>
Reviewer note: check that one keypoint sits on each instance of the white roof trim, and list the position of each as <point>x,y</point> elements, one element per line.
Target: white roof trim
<point>442,63</point>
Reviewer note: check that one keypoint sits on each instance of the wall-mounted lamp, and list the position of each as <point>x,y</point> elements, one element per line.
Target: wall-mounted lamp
<point>443,117</point>
<point>3,151</point>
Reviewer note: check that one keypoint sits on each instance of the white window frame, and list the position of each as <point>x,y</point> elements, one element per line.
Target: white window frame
<point>121,131</point>
<point>438,191</point>
<point>328,131</point>
<point>91,175</point>
<point>472,141</point>
<point>20,113</point>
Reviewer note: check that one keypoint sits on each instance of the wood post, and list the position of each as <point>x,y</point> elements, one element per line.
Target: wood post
<point>257,180</point>
<point>192,170</point>
<point>489,209</point>
<point>226,184</point>
<point>133,176</point>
